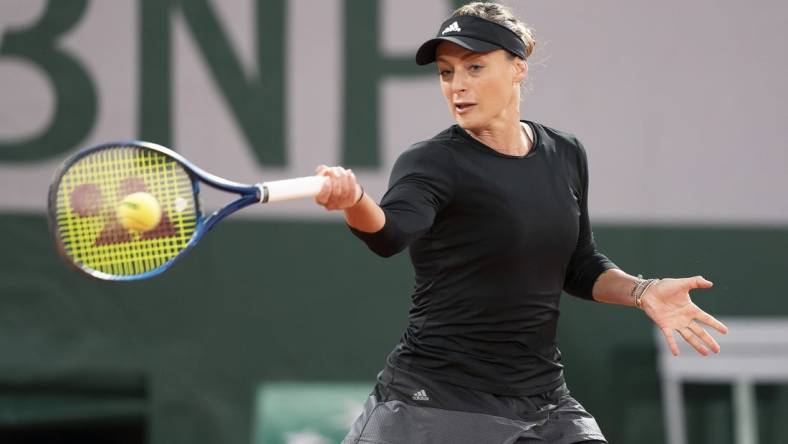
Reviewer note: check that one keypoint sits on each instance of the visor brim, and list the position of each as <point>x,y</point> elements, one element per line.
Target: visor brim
<point>426,53</point>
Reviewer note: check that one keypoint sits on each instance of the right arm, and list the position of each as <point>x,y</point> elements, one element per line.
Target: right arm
<point>422,182</point>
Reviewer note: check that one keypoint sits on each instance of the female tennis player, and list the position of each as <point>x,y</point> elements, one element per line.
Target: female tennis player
<point>495,212</point>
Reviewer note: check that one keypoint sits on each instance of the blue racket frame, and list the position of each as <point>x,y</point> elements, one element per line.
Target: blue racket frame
<point>249,194</point>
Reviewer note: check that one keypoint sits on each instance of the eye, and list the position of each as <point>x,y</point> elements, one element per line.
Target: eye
<point>475,67</point>
<point>444,72</point>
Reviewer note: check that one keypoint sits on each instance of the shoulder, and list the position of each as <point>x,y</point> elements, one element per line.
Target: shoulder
<point>439,142</point>
<point>435,149</point>
<point>562,143</point>
<point>559,139</point>
<point>430,159</point>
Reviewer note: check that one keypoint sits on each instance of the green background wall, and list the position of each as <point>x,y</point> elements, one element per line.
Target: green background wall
<point>197,341</point>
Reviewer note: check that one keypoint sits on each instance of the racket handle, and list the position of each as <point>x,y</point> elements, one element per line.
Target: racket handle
<point>289,189</point>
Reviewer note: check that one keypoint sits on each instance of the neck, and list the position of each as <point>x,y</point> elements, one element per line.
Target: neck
<point>508,137</point>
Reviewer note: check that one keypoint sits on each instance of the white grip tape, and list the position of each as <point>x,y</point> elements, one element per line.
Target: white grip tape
<point>289,189</point>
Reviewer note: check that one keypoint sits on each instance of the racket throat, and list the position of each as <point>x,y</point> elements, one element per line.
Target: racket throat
<point>262,192</point>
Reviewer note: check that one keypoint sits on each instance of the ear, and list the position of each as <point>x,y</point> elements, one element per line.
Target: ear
<point>521,70</point>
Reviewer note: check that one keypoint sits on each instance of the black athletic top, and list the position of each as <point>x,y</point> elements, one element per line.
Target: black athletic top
<point>493,240</point>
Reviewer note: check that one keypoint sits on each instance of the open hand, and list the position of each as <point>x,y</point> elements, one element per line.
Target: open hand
<point>668,304</point>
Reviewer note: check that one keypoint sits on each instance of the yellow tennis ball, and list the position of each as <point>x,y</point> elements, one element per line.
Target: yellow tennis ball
<point>139,212</point>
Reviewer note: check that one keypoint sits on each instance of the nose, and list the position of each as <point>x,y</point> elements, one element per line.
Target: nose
<point>458,82</point>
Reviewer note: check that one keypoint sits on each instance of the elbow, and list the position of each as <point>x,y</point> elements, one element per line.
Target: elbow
<point>380,243</point>
<point>387,249</point>
<point>388,241</point>
<point>576,290</point>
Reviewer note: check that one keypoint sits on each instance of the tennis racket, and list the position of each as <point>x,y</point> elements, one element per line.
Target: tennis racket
<point>88,188</point>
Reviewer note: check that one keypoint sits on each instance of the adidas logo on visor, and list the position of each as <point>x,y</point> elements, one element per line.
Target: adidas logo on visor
<point>454,27</point>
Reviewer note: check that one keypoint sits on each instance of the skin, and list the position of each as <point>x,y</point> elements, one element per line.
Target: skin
<point>482,92</point>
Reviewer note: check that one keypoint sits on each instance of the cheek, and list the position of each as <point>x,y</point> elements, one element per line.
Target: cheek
<point>489,94</point>
<point>498,92</point>
<point>446,91</point>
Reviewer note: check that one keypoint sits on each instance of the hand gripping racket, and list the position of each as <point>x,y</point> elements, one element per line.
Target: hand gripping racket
<point>87,190</point>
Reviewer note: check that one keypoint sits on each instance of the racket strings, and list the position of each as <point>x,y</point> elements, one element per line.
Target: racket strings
<point>89,193</point>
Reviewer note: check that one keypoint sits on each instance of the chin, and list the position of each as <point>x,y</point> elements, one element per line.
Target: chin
<point>468,123</point>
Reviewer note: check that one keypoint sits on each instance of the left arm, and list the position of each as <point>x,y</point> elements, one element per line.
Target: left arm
<point>591,275</point>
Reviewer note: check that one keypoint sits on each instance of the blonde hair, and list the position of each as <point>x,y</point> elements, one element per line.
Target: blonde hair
<point>503,16</point>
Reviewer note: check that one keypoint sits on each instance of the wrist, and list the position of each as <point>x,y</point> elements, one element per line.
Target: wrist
<point>360,193</point>
<point>641,288</point>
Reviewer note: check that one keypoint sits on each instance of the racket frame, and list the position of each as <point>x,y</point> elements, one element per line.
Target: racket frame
<point>249,194</point>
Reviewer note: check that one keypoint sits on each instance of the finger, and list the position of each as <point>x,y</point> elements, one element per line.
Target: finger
<point>693,340</point>
<point>712,322</point>
<point>339,188</point>
<point>347,188</point>
<point>325,192</point>
<point>350,186</point>
<point>329,188</point>
<point>705,337</point>
<point>697,282</point>
<point>674,348</point>
<point>320,170</point>
<point>354,186</point>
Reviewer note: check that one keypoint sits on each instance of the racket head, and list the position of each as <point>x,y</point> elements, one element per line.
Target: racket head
<point>85,193</point>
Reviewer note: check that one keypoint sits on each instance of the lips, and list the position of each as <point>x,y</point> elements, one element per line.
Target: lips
<point>463,107</point>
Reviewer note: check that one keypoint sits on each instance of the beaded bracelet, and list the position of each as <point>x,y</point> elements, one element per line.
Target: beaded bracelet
<point>640,289</point>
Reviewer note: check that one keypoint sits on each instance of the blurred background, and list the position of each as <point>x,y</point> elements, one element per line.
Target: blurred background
<point>273,329</point>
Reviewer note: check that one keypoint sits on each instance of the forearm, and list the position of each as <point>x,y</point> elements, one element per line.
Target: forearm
<point>366,215</point>
<point>615,287</point>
